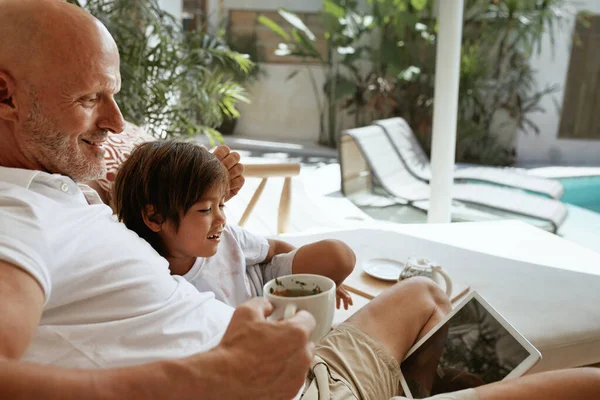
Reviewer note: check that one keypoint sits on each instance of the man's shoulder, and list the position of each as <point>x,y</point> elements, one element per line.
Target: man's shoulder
<point>18,176</point>
<point>27,201</point>
<point>15,187</point>
<point>14,196</point>
<point>23,212</point>
<point>38,189</point>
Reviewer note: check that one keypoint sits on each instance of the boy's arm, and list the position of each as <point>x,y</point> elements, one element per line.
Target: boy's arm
<point>331,258</point>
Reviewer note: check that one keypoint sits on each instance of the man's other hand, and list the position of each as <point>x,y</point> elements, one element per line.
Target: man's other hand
<point>267,359</point>
<point>231,161</point>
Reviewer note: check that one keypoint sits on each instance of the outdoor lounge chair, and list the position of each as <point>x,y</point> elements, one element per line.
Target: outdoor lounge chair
<point>405,142</point>
<point>390,171</point>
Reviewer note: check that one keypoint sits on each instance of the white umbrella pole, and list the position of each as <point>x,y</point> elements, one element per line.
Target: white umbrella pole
<point>445,108</point>
<point>213,12</point>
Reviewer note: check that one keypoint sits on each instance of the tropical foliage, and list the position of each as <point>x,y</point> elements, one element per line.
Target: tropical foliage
<point>382,63</point>
<point>173,83</point>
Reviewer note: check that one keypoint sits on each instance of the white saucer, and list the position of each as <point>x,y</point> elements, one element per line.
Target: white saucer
<point>383,268</point>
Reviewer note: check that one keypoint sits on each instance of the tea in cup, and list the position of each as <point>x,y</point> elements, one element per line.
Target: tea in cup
<point>312,293</point>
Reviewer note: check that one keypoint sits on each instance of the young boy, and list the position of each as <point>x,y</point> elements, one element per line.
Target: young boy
<point>171,193</point>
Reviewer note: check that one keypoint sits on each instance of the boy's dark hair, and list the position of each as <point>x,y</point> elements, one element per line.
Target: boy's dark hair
<point>170,175</point>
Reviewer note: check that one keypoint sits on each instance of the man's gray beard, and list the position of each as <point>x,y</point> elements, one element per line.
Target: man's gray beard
<point>55,150</point>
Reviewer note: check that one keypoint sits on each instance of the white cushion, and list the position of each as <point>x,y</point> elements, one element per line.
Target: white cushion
<point>546,287</point>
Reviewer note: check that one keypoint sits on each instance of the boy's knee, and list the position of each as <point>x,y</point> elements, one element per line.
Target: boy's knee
<point>341,254</point>
<point>428,291</point>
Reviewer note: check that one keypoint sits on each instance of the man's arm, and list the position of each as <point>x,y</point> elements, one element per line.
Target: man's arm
<point>252,360</point>
<point>21,302</point>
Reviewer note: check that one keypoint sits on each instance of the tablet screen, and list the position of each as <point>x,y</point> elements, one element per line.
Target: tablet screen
<point>469,350</point>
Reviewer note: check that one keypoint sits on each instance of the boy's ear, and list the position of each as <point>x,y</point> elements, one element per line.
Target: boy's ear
<point>8,105</point>
<point>152,220</point>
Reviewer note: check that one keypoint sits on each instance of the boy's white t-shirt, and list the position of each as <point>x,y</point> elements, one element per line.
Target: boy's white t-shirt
<point>235,273</point>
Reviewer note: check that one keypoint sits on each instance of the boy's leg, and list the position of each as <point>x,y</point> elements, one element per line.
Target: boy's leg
<point>363,354</point>
<point>403,314</point>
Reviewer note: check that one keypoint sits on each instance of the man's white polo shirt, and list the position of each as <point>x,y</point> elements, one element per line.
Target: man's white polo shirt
<point>109,297</point>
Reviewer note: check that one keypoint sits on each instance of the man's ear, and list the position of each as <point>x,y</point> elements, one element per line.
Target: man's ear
<point>8,104</point>
<point>152,220</point>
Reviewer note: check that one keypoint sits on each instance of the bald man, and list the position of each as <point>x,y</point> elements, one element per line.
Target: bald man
<point>89,310</point>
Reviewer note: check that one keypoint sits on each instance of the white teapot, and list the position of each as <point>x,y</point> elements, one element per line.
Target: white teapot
<point>417,266</point>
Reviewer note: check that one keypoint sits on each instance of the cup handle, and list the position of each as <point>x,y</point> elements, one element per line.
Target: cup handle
<point>446,277</point>
<point>290,310</point>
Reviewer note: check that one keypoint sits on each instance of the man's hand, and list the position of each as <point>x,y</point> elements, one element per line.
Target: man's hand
<point>342,295</point>
<point>266,360</point>
<point>231,161</point>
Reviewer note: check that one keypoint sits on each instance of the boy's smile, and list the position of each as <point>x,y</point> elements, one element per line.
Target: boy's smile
<point>199,232</point>
<point>216,237</point>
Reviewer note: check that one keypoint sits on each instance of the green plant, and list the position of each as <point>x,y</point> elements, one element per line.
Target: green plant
<point>344,27</point>
<point>496,80</point>
<point>173,83</point>
<point>247,45</point>
<point>394,73</point>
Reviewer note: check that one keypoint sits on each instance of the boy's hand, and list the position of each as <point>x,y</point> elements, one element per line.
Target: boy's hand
<point>341,294</point>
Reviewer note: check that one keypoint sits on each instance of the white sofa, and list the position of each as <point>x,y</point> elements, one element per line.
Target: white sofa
<point>545,286</point>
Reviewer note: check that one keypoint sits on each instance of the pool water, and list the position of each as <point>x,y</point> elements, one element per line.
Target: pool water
<point>582,191</point>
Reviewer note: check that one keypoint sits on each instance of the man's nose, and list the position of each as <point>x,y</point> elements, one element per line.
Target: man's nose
<point>111,118</point>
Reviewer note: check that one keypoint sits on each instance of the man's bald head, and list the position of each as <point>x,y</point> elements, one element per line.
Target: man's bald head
<point>59,72</point>
<point>42,34</point>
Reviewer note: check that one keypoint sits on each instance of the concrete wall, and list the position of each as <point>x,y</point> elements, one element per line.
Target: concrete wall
<point>293,5</point>
<point>173,7</point>
<point>280,109</point>
<point>547,148</point>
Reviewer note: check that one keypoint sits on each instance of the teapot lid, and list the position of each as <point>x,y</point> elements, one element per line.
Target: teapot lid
<point>422,262</point>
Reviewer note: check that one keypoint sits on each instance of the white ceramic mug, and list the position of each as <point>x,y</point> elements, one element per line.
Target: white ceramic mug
<point>417,266</point>
<point>321,305</point>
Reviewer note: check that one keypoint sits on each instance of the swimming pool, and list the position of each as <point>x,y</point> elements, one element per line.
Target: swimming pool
<point>582,191</point>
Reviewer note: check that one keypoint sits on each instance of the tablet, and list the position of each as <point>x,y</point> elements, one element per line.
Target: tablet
<point>472,346</point>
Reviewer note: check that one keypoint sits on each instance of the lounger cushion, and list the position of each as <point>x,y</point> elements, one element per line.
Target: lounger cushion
<point>405,142</point>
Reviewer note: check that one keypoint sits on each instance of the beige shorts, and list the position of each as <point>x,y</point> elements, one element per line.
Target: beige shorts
<point>350,364</point>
